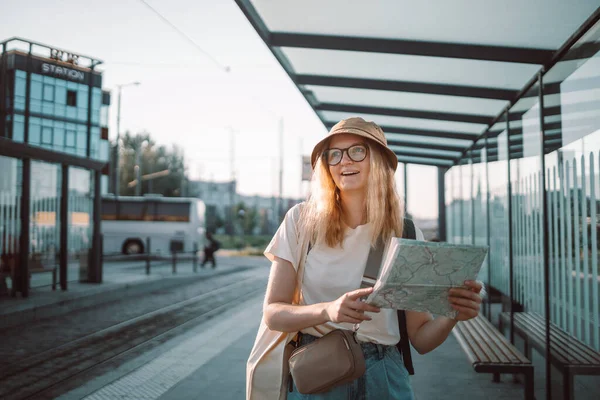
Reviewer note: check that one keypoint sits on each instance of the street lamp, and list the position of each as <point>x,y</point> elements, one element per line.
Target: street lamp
<point>116,177</point>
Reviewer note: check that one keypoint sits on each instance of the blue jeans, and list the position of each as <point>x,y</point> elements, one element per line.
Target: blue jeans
<point>385,377</point>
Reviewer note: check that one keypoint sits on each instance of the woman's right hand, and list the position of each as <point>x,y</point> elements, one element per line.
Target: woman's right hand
<point>349,308</point>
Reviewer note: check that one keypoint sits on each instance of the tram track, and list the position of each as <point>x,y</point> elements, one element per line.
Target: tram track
<point>55,371</point>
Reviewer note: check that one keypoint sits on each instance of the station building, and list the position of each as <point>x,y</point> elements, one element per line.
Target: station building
<point>54,151</point>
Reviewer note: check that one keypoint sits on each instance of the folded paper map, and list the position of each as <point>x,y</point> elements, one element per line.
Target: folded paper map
<point>417,275</point>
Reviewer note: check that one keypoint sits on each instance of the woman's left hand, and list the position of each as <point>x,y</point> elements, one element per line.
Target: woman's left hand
<point>466,300</point>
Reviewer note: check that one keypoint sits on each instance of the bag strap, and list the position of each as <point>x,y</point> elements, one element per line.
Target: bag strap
<point>404,345</point>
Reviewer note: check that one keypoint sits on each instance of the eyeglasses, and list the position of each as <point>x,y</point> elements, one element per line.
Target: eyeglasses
<point>356,153</point>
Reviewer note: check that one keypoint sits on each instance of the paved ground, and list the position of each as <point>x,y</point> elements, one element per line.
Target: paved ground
<point>208,360</point>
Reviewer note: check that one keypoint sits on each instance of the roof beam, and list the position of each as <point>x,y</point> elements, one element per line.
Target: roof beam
<point>406,86</point>
<point>424,161</point>
<point>432,156</point>
<point>398,112</point>
<point>413,47</point>
<point>420,132</point>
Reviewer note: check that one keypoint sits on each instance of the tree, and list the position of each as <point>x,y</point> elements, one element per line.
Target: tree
<point>153,158</point>
<point>247,217</point>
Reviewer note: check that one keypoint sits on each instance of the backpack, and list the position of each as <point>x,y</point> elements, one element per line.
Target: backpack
<point>404,344</point>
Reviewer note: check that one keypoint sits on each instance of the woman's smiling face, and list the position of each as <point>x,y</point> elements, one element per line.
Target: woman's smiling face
<point>350,175</point>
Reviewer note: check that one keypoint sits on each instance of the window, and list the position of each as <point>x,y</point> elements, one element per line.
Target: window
<point>48,92</point>
<point>46,135</point>
<point>71,98</point>
<point>70,138</point>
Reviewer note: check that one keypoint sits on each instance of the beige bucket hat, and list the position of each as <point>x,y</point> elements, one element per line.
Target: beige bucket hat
<point>360,127</point>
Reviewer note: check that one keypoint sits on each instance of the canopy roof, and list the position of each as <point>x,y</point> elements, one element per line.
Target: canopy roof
<point>436,75</point>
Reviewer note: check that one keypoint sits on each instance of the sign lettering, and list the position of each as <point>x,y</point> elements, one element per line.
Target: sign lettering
<point>63,72</point>
<point>63,56</point>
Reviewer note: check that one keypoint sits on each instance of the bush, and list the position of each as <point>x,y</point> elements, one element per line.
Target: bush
<point>257,242</point>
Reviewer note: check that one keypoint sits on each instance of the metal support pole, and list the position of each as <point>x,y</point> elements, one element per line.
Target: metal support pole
<point>280,170</point>
<point>174,254</point>
<point>405,187</point>
<point>117,145</point>
<point>148,251</point>
<point>137,171</point>
<point>511,264</point>
<point>22,271</point>
<point>488,228</point>
<point>95,265</point>
<point>3,92</point>
<point>195,257</point>
<point>545,237</point>
<point>64,227</point>
<point>442,203</point>
<point>89,112</point>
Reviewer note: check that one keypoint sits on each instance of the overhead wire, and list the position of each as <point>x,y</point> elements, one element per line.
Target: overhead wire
<point>222,67</point>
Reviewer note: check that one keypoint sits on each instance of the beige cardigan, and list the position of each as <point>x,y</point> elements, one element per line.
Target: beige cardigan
<point>267,369</point>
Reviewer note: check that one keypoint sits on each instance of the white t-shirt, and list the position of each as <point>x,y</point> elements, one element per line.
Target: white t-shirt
<point>331,272</point>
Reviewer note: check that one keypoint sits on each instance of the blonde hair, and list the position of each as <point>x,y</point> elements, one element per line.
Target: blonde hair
<point>322,214</point>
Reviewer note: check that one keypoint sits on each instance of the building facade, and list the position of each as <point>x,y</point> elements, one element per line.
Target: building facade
<point>53,153</point>
<point>220,197</point>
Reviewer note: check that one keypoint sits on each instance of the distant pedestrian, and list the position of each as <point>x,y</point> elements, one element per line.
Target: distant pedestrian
<point>210,248</point>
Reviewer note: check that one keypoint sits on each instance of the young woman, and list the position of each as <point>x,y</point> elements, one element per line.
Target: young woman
<point>352,203</point>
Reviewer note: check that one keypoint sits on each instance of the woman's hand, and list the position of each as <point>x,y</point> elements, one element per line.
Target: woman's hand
<point>349,308</point>
<point>466,301</point>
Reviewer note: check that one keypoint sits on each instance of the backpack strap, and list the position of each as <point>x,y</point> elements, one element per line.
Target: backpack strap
<point>404,344</point>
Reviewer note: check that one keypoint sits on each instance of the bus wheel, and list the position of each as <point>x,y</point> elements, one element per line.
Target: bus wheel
<point>133,246</point>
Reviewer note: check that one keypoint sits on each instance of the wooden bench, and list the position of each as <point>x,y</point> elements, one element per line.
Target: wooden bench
<point>567,353</point>
<point>490,352</point>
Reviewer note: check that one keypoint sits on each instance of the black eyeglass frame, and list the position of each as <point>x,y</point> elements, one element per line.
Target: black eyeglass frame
<point>347,151</point>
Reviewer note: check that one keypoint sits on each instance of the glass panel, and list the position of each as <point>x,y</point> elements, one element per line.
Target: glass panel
<point>10,221</point>
<point>416,123</point>
<point>396,20</point>
<point>417,151</point>
<point>466,188</point>
<point>528,232</point>
<point>423,198</point>
<point>572,167</point>
<point>44,224</point>
<point>499,235</point>
<point>80,221</point>
<point>19,128</point>
<point>479,195</point>
<point>458,204</point>
<point>403,100</point>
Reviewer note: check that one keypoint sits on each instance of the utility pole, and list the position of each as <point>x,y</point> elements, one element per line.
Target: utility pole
<point>117,155</point>
<point>280,170</point>
<point>231,184</point>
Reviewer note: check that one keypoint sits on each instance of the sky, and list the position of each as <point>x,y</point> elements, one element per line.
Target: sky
<point>187,97</point>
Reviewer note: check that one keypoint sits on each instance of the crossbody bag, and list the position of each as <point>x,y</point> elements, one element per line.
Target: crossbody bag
<point>337,357</point>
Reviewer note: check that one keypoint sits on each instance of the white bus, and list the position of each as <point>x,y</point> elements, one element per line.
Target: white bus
<point>171,223</point>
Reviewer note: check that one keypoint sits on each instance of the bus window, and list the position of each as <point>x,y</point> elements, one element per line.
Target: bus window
<point>176,212</point>
<point>109,210</point>
<point>131,211</point>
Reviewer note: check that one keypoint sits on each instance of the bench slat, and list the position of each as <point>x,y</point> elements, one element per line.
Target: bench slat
<point>564,347</point>
<point>571,343</point>
<point>509,351</point>
<point>570,347</point>
<point>483,340</point>
<point>486,345</point>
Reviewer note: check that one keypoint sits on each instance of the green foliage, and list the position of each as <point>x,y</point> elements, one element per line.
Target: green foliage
<point>153,158</point>
<point>247,218</point>
<point>257,242</point>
